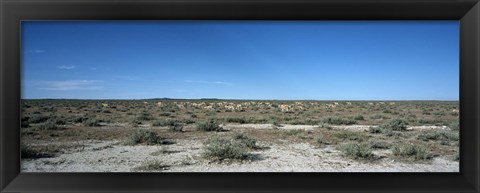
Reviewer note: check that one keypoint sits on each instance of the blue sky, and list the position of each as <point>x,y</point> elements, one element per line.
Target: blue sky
<point>317,60</point>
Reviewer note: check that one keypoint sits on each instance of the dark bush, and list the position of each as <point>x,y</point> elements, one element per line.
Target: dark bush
<point>143,116</point>
<point>27,152</point>
<point>50,125</point>
<point>38,119</point>
<point>395,125</point>
<point>375,129</point>
<point>359,118</point>
<point>439,135</point>
<point>210,125</point>
<point>338,121</point>
<point>176,126</point>
<point>91,122</point>
<point>241,120</point>
<point>144,136</point>
<point>454,125</point>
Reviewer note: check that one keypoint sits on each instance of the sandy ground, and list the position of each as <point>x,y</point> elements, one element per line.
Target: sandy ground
<point>312,127</point>
<point>185,156</point>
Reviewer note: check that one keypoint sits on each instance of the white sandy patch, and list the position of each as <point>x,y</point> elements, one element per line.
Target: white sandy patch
<point>313,127</point>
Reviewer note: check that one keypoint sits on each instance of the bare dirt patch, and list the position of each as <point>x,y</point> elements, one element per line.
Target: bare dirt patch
<point>185,156</point>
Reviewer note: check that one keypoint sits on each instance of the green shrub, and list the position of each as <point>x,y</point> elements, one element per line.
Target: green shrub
<point>375,129</point>
<point>275,122</point>
<point>338,121</point>
<point>165,114</point>
<point>77,118</point>
<point>430,122</point>
<point>439,135</point>
<point>353,136</point>
<point>172,124</point>
<point>91,122</point>
<point>300,133</point>
<point>161,123</point>
<point>38,119</point>
<point>220,149</point>
<point>27,152</point>
<point>411,151</point>
<point>188,121</point>
<point>144,136</point>
<point>210,125</point>
<point>378,144</point>
<point>356,150</point>
<point>59,120</point>
<point>50,125</point>
<point>321,140</point>
<point>359,118</point>
<point>249,142</point>
<point>395,125</point>
<point>176,126</point>
<point>454,126</point>
<point>378,116</point>
<point>240,120</point>
<point>135,123</point>
<point>143,116</point>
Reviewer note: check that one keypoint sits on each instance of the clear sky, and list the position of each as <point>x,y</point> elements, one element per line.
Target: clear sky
<point>318,60</point>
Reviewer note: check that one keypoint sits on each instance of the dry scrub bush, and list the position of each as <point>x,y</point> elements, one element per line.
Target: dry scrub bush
<point>221,149</point>
<point>91,122</point>
<point>410,151</point>
<point>338,121</point>
<point>27,152</point>
<point>249,142</point>
<point>210,125</point>
<point>395,125</point>
<point>357,150</point>
<point>439,135</point>
<point>144,136</point>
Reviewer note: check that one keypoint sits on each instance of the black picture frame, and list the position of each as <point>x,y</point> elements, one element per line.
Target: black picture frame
<point>14,11</point>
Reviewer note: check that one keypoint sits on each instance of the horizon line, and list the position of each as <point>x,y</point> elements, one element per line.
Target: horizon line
<point>166,98</point>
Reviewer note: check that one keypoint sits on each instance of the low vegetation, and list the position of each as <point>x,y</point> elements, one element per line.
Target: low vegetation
<point>249,142</point>
<point>322,125</point>
<point>152,166</point>
<point>320,139</point>
<point>210,125</point>
<point>144,136</point>
<point>352,136</point>
<point>410,151</point>
<point>395,125</point>
<point>27,152</point>
<point>91,122</point>
<point>216,148</point>
<point>439,135</point>
<point>50,125</point>
<point>357,150</point>
<point>338,121</point>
